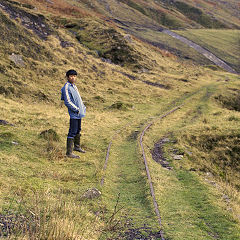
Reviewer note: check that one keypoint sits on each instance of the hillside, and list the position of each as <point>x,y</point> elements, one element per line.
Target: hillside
<point>125,83</point>
<point>146,20</point>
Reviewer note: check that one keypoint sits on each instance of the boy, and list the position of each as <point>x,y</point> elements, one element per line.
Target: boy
<point>76,110</point>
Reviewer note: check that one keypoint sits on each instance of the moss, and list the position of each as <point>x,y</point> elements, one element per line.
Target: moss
<point>233,118</point>
<point>135,6</point>
<point>7,136</point>
<point>99,99</point>
<point>213,67</point>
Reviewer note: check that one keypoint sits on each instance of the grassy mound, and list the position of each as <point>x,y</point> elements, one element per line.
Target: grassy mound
<point>231,100</point>
<point>222,149</point>
<point>198,16</point>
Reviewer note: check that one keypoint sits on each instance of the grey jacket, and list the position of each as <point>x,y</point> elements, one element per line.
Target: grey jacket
<point>73,101</point>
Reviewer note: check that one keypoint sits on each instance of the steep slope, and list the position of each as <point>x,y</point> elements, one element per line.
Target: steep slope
<point>146,20</point>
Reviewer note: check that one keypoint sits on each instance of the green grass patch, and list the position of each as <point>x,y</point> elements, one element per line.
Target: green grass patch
<point>223,43</point>
<point>198,16</point>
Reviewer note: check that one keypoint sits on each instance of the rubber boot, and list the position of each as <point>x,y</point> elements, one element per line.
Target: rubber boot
<point>77,144</point>
<point>70,148</point>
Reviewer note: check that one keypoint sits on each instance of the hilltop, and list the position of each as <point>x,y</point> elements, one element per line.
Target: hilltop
<point>126,81</point>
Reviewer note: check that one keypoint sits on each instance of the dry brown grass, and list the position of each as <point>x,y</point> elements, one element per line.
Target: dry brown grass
<point>58,7</point>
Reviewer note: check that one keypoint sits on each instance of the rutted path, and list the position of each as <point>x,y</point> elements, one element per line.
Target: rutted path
<point>126,178</point>
<point>201,50</point>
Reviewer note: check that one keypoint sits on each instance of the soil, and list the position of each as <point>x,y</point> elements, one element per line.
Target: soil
<point>158,154</point>
<point>4,122</point>
<point>36,23</point>
<point>143,233</point>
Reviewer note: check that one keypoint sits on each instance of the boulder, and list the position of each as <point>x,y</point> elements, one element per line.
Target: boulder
<point>91,193</point>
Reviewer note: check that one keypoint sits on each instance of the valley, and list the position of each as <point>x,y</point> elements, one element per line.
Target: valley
<point>130,74</point>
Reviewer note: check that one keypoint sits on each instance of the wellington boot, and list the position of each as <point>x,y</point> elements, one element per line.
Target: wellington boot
<point>69,152</point>
<point>77,144</point>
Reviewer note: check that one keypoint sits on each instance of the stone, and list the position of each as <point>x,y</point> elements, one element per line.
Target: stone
<point>226,198</point>
<point>128,38</point>
<point>91,193</point>
<point>209,174</point>
<point>177,157</point>
<point>17,59</point>
<point>192,170</point>
<point>165,140</point>
<point>4,122</point>
<point>66,44</point>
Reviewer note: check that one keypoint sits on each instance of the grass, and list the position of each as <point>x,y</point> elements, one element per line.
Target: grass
<point>200,197</point>
<point>225,45</point>
<point>172,45</point>
<point>125,176</point>
<point>42,190</point>
<point>198,16</point>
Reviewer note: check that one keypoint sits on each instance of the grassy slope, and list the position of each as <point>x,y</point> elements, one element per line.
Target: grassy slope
<point>172,45</point>
<point>226,12</point>
<point>142,19</point>
<point>37,181</point>
<point>200,116</point>
<point>224,43</point>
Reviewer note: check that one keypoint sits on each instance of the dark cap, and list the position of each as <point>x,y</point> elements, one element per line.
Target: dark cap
<point>71,72</point>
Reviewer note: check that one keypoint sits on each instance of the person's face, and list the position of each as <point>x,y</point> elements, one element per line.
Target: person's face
<point>72,78</point>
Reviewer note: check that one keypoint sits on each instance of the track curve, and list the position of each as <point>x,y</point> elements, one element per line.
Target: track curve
<point>145,163</point>
<point>148,172</point>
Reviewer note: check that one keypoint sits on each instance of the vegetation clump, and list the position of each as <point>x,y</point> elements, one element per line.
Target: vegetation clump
<point>231,102</point>
<point>15,223</point>
<point>223,150</point>
<point>121,106</point>
<point>104,40</point>
<point>198,16</point>
<point>50,134</point>
<point>158,15</point>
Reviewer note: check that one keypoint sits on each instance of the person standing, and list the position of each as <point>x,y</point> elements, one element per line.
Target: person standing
<point>76,110</point>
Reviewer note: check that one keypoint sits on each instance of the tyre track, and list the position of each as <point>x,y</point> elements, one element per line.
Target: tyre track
<point>157,117</point>
<point>148,172</point>
<point>145,163</point>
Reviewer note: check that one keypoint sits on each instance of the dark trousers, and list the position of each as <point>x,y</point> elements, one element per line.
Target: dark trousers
<point>75,127</point>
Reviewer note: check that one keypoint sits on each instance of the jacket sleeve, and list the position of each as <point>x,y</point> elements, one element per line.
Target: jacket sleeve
<point>67,100</point>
